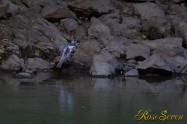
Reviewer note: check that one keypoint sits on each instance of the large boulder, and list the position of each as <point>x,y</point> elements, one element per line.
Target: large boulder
<point>104,64</point>
<point>13,63</point>
<point>84,53</point>
<point>38,3</point>
<point>132,73</point>
<point>154,64</point>
<point>117,46</point>
<point>163,65</point>
<point>127,26</point>
<point>166,46</point>
<point>137,51</point>
<point>28,29</point>
<point>35,64</point>
<point>99,30</point>
<point>71,27</point>
<point>148,10</point>
<point>49,30</point>
<point>56,13</point>
<point>130,27</point>
<point>90,7</point>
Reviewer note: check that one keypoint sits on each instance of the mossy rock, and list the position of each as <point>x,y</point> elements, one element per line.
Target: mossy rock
<point>153,32</point>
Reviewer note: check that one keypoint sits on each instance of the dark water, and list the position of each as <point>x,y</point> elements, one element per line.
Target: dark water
<point>49,99</point>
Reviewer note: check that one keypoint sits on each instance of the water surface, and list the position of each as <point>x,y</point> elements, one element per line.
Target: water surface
<point>51,99</point>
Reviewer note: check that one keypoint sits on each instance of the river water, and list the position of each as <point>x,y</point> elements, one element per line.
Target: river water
<point>60,99</point>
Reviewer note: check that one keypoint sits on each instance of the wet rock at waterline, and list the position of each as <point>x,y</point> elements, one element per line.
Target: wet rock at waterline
<point>24,75</point>
<point>103,65</point>
<point>153,64</point>
<point>132,73</point>
<point>163,65</point>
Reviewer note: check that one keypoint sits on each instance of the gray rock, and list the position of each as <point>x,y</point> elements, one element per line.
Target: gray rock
<point>134,51</point>
<point>166,46</point>
<point>3,11</point>
<point>132,23</point>
<point>178,64</point>
<point>140,0</point>
<point>56,13</point>
<point>177,1</point>
<point>13,63</point>
<point>132,73</point>
<point>84,53</point>
<point>71,27</point>
<point>36,5</point>
<point>99,30</point>
<point>162,24</point>
<point>37,64</point>
<point>155,62</point>
<point>117,47</point>
<point>91,6</point>
<point>175,9</point>
<point>47,29</point>
<point>180,29</point>
<point>31,3</point>
<point>23,75</point>
<point>11,7</point>
<point>129,27</point>
<point>104,64</point>
<point>148,10</point>
<point>111,17</point>
<point>69,24</point>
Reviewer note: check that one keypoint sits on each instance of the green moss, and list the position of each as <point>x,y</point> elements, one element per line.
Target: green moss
<point>153,33</point>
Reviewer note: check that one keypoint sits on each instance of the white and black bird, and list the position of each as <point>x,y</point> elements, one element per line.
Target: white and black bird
<point>66,52</point>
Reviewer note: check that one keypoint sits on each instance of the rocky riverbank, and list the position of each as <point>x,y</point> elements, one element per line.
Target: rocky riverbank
<point>116,36</point>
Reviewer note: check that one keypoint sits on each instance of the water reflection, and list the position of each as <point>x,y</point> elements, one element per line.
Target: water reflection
<point>85,100</point>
